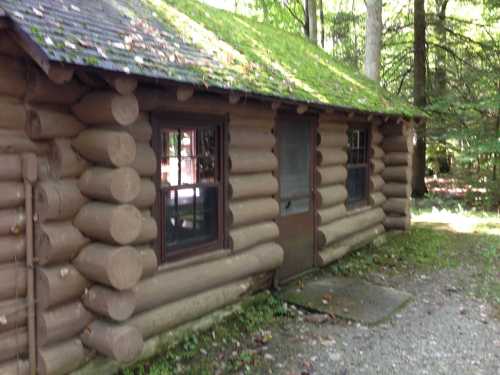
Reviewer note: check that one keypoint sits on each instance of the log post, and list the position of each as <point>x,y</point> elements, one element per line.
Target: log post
<point>123,343</point>
<point>58,200</point>
<point>58,242</point>
<point>62,323</point>
<point>121,185</point>
<point>117,267</point>
<point>107,107</point>
<point>106,147</point>
<point>46,124</point>
<point>115,305</point>
<point>115,224</point>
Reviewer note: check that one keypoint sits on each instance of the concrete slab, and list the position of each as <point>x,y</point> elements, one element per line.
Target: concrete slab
<point>347,298</point>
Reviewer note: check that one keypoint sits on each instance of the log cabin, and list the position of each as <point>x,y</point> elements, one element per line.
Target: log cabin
<point>161,159</point>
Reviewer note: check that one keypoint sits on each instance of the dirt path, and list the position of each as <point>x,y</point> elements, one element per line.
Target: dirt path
<point>442,331</point>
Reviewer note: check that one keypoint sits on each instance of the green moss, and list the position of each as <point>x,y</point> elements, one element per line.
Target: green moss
<point>255,57</point>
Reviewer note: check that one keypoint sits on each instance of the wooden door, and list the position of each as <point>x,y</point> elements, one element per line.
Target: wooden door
<point>295,150</point>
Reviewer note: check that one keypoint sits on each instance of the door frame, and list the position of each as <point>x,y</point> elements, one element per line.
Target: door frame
<point>313,122</point>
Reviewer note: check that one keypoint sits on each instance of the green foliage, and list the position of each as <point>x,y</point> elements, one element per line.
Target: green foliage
<point>200,353</point>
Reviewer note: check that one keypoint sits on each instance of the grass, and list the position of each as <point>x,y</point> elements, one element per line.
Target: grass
<point>220,349</point>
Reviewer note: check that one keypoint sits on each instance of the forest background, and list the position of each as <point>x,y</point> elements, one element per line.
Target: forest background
<point>442,55</point>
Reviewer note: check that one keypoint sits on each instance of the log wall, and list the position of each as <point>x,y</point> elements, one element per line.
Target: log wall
<point>340,229</point>
<point>398,150</point>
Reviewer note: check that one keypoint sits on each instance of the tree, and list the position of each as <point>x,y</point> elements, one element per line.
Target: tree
<point>419,96</point>
<point>373,39</point>
<point>312,20</point>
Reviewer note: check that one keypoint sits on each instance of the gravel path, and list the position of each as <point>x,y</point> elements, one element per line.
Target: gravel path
<point>442,331</point>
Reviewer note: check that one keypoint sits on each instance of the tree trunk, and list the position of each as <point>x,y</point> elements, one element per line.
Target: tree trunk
<point>313,21</point>
<point>419,96</point>
<point>322,20</point>
<point>373,39</point>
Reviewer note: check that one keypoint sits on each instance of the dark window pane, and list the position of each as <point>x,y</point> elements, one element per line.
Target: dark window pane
<point>206,169</point>
<point>191,216</point>
<point>295,169</point>
<point>356,184</point>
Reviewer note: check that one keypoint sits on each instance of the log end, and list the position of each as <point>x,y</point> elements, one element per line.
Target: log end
<point>125,109</point>
<point>126,269</point>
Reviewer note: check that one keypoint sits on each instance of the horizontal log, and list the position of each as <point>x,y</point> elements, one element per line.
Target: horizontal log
<point>149,231</point>
<point>58,242</point>
<point>399,206</point>
<point>397,222</point>
<point>390,130</point>
<point>12,77</point>
<point>47,124</point>
<point>62,323</point>
<point>341,249</point>
<point>395,190</point>
<point>15,367</point>
<point>107,107</point>
<point>377,152</point>
<point>13,313</point>
<point>397,174</point>
<point>12,221</point>
<point>168,316</point>
<point>377,136</point>
<point>10,168</point>
<point>331,195</point>
<point>12,194</point>
<point>147,194</point>
<point>43,90</point>
<point>249,236</point>
<point>397,144</point>
<point>108,303</point>
<point>123,343</point>
<point>113,185</point>
<point>327,215</point>
<point>151,292</point>
<point>334,126</point>
<point>397,159</point>
<point>149,261</point>
<point>331,156</point>
<point>331,175</point>
<point>377,166</point>
<point>377,199</point>
<point>59,284</point>
<point>64,161</point>
<point>255,120</point>
<point>12,248</point>
<point>251,161</point>
<point>332,139</point>
<point>61,358</point>
<point>145,160</point>
<point>17,142</point>
<point>141,129</point>
<point>115,224</point>
<point>251,138</point>
<point>106,147</point>
<point>252,186</point>
<point>58,200</point>
<point>121,83</point>
<point>117,267</point>
<point>376,183</point>
<point>252,211</point>
<point>13,113</point>
<point>340,229</point>
<point>14,343</point>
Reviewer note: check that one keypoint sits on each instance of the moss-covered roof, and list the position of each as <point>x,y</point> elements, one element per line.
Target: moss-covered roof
<point>186,41</point>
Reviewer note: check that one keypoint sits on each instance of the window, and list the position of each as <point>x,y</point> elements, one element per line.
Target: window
<point>357,167</point>
<point>191,188</point>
